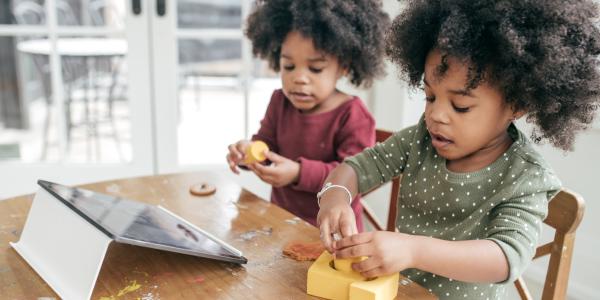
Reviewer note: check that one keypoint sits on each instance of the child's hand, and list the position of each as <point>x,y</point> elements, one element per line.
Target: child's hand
<point>236,154</point>
<point>388,252</point>
<point>335,217</point>
<point>281,172</point>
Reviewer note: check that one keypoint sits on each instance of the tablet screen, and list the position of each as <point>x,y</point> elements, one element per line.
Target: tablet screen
<point>142,224</point>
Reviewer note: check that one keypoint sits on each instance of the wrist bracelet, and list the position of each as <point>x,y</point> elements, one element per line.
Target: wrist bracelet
<point>330,185</point>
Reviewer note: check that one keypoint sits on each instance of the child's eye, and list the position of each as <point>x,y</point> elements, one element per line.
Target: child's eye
<point>430,99</point>
<point>315,70</point>
<point>460,109</point>
<point>288,68</point>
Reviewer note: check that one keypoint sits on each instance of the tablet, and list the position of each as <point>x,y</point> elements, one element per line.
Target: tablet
<point>135,223</point>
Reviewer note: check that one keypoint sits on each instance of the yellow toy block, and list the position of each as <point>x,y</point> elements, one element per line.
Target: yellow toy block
<point>326,282</point>
<point>335,279</point>
<point>380,288</point>
<point>255,152</point>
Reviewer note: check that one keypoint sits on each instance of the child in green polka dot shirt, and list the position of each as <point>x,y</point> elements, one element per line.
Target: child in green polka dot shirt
<point>474,191</point>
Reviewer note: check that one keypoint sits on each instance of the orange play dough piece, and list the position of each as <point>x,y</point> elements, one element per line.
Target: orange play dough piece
<point>255,152</point>
<point>302,251</point>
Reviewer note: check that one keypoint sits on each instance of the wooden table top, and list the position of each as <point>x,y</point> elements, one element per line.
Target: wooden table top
<point>254,226</point>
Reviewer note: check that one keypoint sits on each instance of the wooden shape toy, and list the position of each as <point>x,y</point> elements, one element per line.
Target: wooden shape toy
<point>335,279</point>
<point>255,152</point>
<point>202,189</point>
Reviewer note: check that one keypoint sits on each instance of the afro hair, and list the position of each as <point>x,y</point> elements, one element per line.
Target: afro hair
<point>542,55</point>
<point>353,31</point>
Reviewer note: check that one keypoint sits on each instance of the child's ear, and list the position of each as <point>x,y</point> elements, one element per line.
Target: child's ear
<point>344,72</point>
<point>518,114</point>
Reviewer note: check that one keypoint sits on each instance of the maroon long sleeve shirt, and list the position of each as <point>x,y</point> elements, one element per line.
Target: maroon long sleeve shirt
<point>319,142</point>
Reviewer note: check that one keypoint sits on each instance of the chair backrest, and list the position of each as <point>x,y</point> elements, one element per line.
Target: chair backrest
<point>65,14</point>
<point>103,12</point>
<point>380,136</point>
<point>29,13</point>
<point>565,212</point>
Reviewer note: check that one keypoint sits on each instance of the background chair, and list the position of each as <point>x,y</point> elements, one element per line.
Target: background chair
<point>29,12</point>
<point>32,13</point>
<point>102,13</point>
<point>65,15</point>
<point>91,84</point>
<point>380,136</point>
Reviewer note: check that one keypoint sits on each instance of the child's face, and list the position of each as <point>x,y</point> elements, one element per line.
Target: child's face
<point>468,127</point>
<point>308,76</point>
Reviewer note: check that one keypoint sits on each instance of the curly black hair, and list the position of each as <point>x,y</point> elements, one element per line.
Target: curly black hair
<point>351,30</point>
<point>542,55</point>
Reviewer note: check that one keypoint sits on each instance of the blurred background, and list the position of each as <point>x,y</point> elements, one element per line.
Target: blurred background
<point>93,90</point>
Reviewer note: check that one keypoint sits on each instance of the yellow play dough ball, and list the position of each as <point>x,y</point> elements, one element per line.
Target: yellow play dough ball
<point>255,152</point>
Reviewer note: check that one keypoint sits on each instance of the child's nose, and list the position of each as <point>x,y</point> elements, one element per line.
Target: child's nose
<point>301,78</point>
<point>438,112</point>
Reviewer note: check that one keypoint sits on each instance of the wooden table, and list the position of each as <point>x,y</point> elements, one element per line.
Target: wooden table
<point>254,226</point>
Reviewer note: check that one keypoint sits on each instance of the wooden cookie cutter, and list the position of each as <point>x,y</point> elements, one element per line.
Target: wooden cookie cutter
<point>202,189</point>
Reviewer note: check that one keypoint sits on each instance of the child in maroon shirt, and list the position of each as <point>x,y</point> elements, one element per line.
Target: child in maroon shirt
<point>310,125</point>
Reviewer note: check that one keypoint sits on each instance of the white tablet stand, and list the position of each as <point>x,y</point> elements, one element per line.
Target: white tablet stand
<point>62,247</point>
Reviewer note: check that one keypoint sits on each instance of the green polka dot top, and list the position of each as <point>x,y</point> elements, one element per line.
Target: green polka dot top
<point>504,202</point>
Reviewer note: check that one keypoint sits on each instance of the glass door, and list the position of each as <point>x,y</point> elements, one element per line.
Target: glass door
<point>209,90</point>
<point>73,73</point>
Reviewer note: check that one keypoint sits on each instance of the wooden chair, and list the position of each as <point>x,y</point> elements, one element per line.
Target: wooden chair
<point>380,136</point>
<point>565,212</point>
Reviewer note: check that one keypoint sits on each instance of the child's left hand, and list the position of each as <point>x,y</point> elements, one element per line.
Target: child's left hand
<point>281,172</point>
<point>388,252</point>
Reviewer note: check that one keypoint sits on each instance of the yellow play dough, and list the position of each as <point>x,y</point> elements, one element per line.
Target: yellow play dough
<point>342,283</point>
<point>345,264</point>
<point>255,152</point>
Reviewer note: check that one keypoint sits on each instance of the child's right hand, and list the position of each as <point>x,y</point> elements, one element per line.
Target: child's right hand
<point>236,154</point>
<point>335,217</point>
